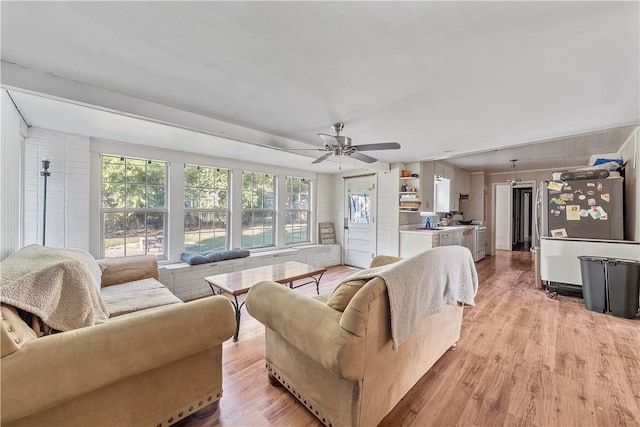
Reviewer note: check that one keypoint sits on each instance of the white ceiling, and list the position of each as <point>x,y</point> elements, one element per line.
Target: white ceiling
<point>442,78</point>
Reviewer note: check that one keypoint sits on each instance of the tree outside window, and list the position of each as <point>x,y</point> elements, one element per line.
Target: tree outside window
<point>206,208</point>
<point>258,209</point>
<point>297,207</point>
<point>133,206</point>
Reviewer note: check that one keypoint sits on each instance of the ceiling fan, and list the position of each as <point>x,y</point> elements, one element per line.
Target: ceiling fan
<point>340,145</point>
<point>515,179</point>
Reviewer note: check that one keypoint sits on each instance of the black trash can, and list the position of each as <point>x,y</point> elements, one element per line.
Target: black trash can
<point>594,282</point>
<point>623,281</point>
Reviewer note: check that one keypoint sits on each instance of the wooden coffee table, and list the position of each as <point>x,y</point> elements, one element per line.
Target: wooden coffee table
<point>239,282</point>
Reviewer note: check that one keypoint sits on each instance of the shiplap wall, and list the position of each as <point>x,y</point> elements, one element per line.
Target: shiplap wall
<point>67,223</point>
<point>13,132</point>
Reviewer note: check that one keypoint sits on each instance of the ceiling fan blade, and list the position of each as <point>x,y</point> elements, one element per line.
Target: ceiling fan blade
<point>322,158</point>
<point>378,146</point>
<point>330,139</point>
<point>304,149</point>
<point>363,157</point>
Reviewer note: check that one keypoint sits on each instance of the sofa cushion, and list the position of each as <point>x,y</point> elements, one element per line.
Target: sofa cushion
<point>342,295</point>
<point>127,269</point>
<point>137,295</point>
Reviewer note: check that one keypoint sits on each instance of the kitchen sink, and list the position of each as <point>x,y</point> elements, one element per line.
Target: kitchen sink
<point>432,228</point>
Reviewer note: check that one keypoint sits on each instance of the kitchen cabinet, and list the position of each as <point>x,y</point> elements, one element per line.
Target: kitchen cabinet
<point>464,181</point>
<point>454,191</point>
<point>444,170</point>
<point>426,186</point>
<point>451,238</point>
<point>413,243</point>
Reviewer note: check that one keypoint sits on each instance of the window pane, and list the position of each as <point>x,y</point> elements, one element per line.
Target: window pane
<point>297,211</point>
<point>221,201</point>
<point>156,172</point>
<point>257,229</point>
<point>112,170</point>
<point>113,195</point>
<point>154,240</point>
<point>136,197</point>
<point>115,227</point>
<point>155,197</point>
<point>136,171</point>
<point>359,208</point>
<point>205,231</point>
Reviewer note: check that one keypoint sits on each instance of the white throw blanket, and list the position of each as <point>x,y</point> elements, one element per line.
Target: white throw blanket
<point>53,284</point>
<point>421,285</point>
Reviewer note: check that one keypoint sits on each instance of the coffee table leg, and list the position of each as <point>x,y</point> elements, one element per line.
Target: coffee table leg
<point>237,307</point>
<point>318,282</point>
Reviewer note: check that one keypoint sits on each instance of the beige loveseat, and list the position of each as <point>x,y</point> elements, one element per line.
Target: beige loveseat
<point>341,365</point>
<point>157,362</point>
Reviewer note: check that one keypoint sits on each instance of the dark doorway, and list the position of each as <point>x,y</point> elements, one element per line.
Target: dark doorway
<point>522,219</point>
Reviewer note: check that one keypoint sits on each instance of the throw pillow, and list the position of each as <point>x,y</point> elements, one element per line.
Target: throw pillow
<point>342,295</point>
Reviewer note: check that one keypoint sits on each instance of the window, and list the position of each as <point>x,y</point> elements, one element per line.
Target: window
<point>258,209</point>
<point>133,206</point>
<point>297,200</point>
<point>206,208</point>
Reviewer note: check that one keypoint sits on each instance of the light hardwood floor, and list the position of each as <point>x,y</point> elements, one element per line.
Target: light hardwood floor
<point>523,359</point>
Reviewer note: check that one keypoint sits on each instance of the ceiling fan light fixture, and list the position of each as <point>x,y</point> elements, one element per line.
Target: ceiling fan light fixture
<point>515,179</point>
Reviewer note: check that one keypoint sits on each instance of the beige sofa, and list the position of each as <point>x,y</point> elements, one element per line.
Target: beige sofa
<point>157,362</point>
<point>341,365</point>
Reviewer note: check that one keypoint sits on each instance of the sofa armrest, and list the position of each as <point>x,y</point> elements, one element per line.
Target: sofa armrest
<point>56,368</point>
<point>127,269</point>
<point>309,325</point>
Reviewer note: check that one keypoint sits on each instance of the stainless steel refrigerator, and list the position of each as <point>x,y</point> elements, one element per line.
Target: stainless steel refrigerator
<point>584,208</point>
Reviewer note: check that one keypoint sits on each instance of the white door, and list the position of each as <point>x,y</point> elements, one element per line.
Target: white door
<point>360,227</point>
<point>502,214</point>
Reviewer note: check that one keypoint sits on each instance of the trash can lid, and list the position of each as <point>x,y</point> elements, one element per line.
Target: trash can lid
<point>623,261</point>
<point>592,258</point>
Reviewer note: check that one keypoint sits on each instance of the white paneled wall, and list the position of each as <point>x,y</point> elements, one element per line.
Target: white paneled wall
<point>13,133</point>
<point>67,223</point>
<point>324,193</point>
<point>387,220</point>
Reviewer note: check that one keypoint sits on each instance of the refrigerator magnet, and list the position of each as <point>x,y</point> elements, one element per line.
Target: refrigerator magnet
<point>560,232</point>
<point>599,186</point>
<point>573,213</point>
<point>590,184</point>
<point>582,197</point>
<point>557,186</point>
<point>594,213</point>
<point>584,213</point>
<point>591,202</point>
<point>602,212</point>
<point>605,197</point>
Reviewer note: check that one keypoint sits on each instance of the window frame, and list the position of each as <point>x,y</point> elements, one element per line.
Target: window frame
<point>253,210</point>
<point>126,210</point>
<point>288,210</point>
<point>226,211</point>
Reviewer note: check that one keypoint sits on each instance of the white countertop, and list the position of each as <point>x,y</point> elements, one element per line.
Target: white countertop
<point>419,229</point>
